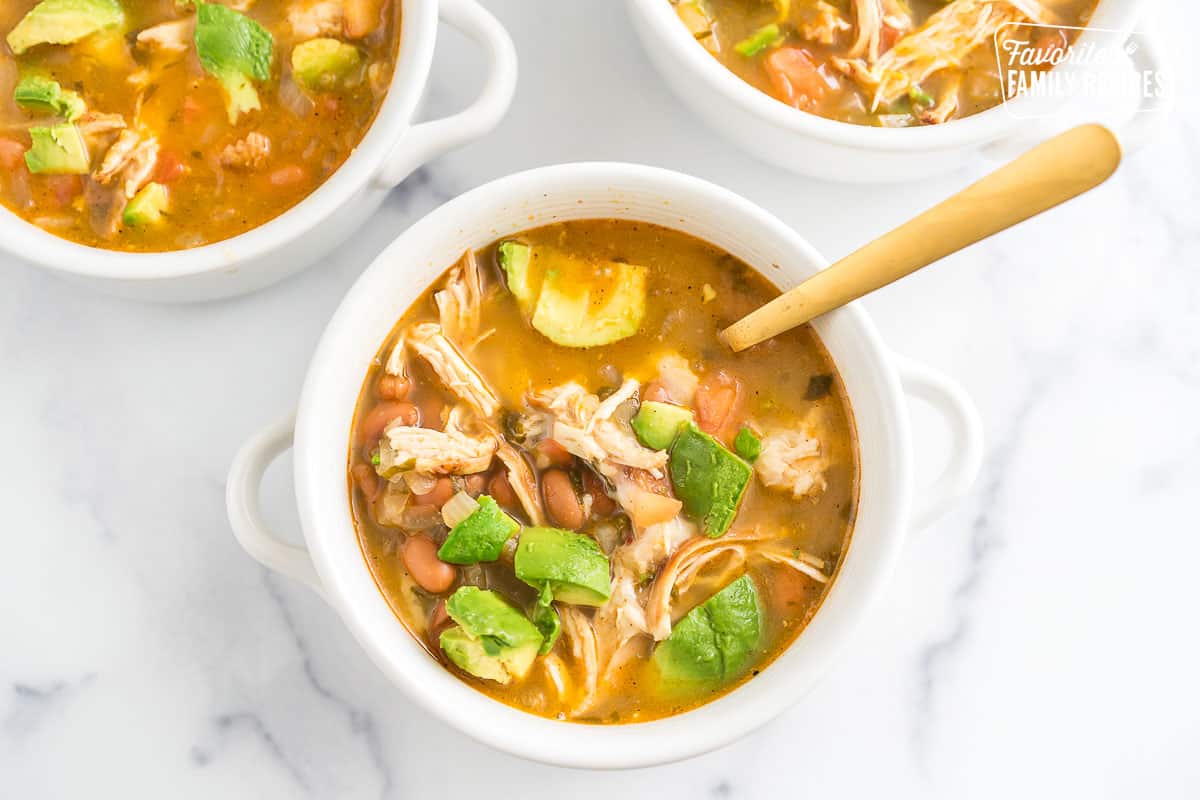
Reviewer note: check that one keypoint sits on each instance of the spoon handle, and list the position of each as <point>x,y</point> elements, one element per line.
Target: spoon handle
<point>1056,170</point>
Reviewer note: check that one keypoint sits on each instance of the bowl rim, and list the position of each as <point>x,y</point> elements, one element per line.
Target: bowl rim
<point>984,126</point>
<point>418,33</point>
<point>323,428</point>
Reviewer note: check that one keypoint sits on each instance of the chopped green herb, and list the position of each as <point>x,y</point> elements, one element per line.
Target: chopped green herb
<point>919,96</point>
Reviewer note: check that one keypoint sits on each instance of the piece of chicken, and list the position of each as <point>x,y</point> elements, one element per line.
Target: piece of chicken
<point>311,20</point>
<point>791,460</point>
<point>247,154</point>
<point>453,451</point>
<point>456,373</point>
<point>584,426</point>
<point>459,302</point>
<point>132,159</point>
<point>173,37</point>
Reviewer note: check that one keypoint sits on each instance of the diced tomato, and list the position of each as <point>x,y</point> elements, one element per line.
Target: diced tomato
<point>170,168</point>
<point>888,36</point>
<point>12,154</point>
<point>796,77</point>
<point>288,176</point>
<point>64,188</point>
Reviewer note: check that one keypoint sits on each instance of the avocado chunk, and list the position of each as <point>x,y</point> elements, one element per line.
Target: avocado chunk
<point>41,95</point>
<point>747,444</point>
<point>514,260</point>
<point>492,640</point>
<point>709,479</point>
<point>479,537</point>
<point>326,64</point>
<point>546,619</point>
<point>657,424</point>
<point>569,567</point>
<point>147,206</point>
<point>57,150</point>
<point>588,315</point>
<point>235,50</point>
<point>716,639</point>
<point>63,22</point>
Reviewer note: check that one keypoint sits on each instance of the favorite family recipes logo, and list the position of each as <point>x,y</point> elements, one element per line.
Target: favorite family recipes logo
<point>1046,68</point>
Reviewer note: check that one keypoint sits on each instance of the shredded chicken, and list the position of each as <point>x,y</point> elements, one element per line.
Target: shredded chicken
<point>946,38</point>
<point>452,368</point>
<point>868,22</point>
<point>677,379</point>
<point>454,451</point>
<point>310,20</point>
<point>824,24</point>
<point>132,159</point>
<point>396,363</point>
<point>791,460</point>
<point>247,154</point>
<point>173,37</point>
<point>584,426</point>
<point>582,638</point>
<point>94,123</point>
<point>946,105</point>
<point>522,480</point>
<point>459,301</point>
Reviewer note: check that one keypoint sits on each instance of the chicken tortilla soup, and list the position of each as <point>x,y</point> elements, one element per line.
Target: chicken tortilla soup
<point>888,63</point>
<point>577,498</point>
<point>155,125</point>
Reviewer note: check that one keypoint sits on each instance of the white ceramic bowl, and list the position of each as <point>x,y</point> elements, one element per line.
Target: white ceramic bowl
<point>812,145</point>
<point>390,151</point>
<point>332,563</point>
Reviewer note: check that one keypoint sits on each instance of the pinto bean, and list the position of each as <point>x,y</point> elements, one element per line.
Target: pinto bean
<point>716,401</point>
<point>367,481</point>
<point>378,418</point>
<point>475,484</point>
<point>394,387</point>
<point>502,492</point>
<point>550,453</point>
<point>602,504</point>
<point>443,490</point>
<point>419,555</point>
<point>562,504</point>
<point>431,411</point>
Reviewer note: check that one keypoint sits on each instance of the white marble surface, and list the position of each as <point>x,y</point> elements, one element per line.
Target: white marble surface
<point>1040,641</point>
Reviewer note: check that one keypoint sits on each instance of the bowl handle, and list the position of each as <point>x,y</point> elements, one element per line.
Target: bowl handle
<point>241,503</point>
<point>428,140</point>
<point>958,411</point>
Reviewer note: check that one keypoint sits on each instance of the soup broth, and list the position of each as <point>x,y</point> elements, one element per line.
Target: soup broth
<point>166,127</point>
<point>887,63</point>
<point>783,399</point>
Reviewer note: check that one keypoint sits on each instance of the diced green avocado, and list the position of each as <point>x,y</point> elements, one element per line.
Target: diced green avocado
<point>63,22</point>
<point>709,479</point>
<point>545,618</point>
<point>747,444</point>
<point>42,95</point>
<point>514,260</point>
<point>657,424</point>
<point>235,49</point>
<point>568,566</point>
<point>323,64</point>
<point>716,639</point>
<point>147,206</point>
<point>57,150</point>
<point>493,640</point>
<point>578,315</point>
<point>479,537</point>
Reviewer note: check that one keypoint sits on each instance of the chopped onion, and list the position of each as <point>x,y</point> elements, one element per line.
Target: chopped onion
<point>419,482</point>
<point>458,508</point>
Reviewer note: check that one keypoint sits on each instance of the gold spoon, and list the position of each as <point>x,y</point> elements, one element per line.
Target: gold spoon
<point>1055,171</point>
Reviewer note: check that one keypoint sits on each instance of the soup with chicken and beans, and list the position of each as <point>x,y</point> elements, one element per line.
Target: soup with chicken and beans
<point>576,497</point>
<point>889,63</point>
<point>161,125</point>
